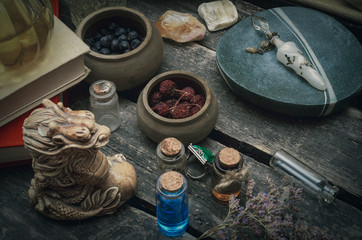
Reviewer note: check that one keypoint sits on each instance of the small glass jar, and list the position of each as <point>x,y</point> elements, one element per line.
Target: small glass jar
<point>104,104</point>
<point>171,156</point>
<point>228,159</point>
<point>286,164</point>
<point>172,203</point>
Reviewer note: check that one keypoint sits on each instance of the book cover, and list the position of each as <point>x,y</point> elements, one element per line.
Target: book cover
<point>61,67</point>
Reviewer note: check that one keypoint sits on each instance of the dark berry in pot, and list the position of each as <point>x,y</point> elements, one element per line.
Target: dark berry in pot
<point>104,41</point>
<point>187,93</point>
<point>195,109</point>
<point>120,31</point>
<point>114,45</point>
<point>182,110</point>
<point>171,102</point>
<point>126,51</point>
<point>105,51</point>
<point>155,98</point>
<point>135,43</point>
<point>97,45</point>
<point>161,109</point>
<point>198,99</point>
<point>132,35</point>
<point>122,37</point>
<point>167,87</point>
<point>124,45</point>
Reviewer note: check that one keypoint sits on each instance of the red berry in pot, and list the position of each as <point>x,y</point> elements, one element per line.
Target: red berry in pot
<point>186,93</point>
<point>182,110</point>
<point>168,87</point>
<point>155,98</point>
<point>161,109</point>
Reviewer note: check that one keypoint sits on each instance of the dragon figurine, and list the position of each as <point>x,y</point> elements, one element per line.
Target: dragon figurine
<point>73,179</point>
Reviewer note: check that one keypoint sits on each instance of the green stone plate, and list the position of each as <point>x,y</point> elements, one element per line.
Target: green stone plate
<point>263,80</point>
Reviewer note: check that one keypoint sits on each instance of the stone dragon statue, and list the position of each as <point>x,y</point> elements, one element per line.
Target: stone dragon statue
<point>73,180</point>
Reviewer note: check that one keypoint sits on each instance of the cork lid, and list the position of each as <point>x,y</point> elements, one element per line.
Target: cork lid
<point>170,146</point>
<point>102,87</point>
<point>171,181</point>
<point>229,158</point>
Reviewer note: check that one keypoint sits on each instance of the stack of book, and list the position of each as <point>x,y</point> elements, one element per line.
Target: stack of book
<point>61,67</point>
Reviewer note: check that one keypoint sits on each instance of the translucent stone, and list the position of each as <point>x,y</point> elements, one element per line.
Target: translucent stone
<point>218,14</point>
<point>180,27</point>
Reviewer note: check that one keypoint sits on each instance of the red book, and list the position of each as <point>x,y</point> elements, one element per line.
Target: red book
<point>12,150</point>
<point>56,8</point>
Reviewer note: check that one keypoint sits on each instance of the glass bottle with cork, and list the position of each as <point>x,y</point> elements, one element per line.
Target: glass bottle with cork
<point>171,156</point>
<point>172,203</point>
<point>225,181</point>
<point>104,104</point>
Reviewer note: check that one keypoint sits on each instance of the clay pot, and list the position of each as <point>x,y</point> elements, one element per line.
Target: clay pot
<point>130,69</point>
<point>188,130</point>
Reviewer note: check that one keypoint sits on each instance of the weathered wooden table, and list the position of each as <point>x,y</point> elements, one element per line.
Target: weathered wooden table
<point>330,145</point>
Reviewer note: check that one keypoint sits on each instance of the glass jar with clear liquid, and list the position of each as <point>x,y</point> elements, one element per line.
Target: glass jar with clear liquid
<point>172,203</point>
<point>26,28</point>
<point>104,104</point>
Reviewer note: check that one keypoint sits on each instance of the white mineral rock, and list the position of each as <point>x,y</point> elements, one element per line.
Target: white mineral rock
<point>218,14</point>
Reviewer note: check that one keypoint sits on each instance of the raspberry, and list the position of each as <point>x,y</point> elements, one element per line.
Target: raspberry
<point>167,87</point>
<point>182,110</point>
<point>155,98</point>
<point>161,109</point>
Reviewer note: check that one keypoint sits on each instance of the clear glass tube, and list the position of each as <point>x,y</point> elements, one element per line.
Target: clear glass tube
<point>286,164</point>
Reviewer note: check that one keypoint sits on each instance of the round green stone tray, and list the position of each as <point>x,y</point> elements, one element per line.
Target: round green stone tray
<point>261,79</point>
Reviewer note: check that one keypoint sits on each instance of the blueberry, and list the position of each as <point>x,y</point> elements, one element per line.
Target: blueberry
<point>104,41</point>
<point>119,31</point>
<point>104,32</point>
<point>93,49</point>
<point>132,35</point>
<point>105,51</point>
<point>123,37</point>
<point>126,51</point>
<point>97,45</point>
<point>124,45</point>
<point>135,43</point>
<point>114,45</point>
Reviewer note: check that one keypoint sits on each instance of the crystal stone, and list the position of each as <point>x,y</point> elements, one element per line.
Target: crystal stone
<point>218,14</point>
<point>180,27</point>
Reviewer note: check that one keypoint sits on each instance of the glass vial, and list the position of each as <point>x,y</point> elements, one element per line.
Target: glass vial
<point>172,203</point>
<point>171,156</point>
<point>104,104</point>
<point>228,159</point>
<point>286,164</point>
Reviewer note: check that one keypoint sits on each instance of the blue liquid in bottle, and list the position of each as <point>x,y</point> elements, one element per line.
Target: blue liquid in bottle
<point>172,208</point>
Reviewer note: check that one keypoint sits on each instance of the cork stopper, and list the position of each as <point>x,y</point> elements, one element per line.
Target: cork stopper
<point>229,158</point>
<point>171,181</point>
<point>170,146</point>
<point>102,88</point>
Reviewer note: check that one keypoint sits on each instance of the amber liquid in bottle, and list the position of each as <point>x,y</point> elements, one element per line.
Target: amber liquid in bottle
<point>227,159</point>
